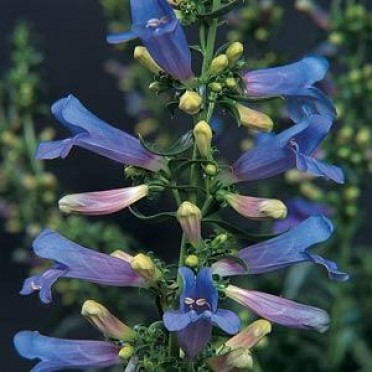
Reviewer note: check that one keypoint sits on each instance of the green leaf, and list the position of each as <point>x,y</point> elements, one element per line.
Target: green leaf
<point>180,146</point>
<point>159,217</point>
<point>220,11</point>
<point>244,98</point>
<point>230,106</point>
<point>239,233</point>
<point>196,48</point>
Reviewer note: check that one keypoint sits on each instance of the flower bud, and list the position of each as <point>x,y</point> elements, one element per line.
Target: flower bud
<point>145,266</point>
<point>142,55</point>
<point>192,260</point>
<point>234,52</point>
<point>105,322</point>
<point>190,102</point>
<point>254,119</point>
<point>189,217</point>
<point>240,358</point>
<point>126,352</point>
<point>215,87</point>
<point>219,64</point>
<point>210,170</point>
<point>230,83</point>
<point>102,202</point>
<point>351,193</point>
<point>155,87</point>
<point>254,208</point>
<point>203,137</point>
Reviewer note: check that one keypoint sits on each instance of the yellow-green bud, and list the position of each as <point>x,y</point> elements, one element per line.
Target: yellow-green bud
<point>144,266</point>
<point>351,193</point>
<point>219,239</point>
<point>105,322</point>
<point>190,102</point>
<point>210,170</point>
<point>345,134</point>
<point>254,119</point>
<point>230,83</point>
<point>219,64</point>
<point>234,52</point>
<point>273,208</point>
<point>215,87</point>
<point>192,260</point>
<point>203,137</point>
<point>344,152</point>
<point>351,210</point>
<point>189,217</point>
<point>126,352</point>
<point>142,55</point>
<point>155,87</point>
<point>363,136</point>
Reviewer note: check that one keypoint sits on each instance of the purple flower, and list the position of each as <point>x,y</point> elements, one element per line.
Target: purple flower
<point>198,311</point>
<point>91,133</point>
<point>154,22</point>
<point>59,354</point>
<point>295,82</point>
<point>280,310</point>
<point>293,147</point>
<point>75,261</point>
<point>298,210</point>
<point>286,249</point>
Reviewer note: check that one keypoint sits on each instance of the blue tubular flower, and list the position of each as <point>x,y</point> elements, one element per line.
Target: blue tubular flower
<point>60,354</point>
<point>198,311</point>
<point>295,82</point>
<point>91,133</point>
<point>155,23</point>
<point>286,249</point>
<point>75,261</point>
<point>292,147</point>
<point>298,210</point>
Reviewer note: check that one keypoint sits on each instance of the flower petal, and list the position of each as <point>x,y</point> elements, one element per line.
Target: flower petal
<point>195,337</point>
<point>93,134</point>
<point>227,320</point>
<point>205,288</point>
<point>57,354</point>
<point>175,320</point>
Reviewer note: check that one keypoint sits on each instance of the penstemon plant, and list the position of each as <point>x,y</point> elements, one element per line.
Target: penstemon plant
<point>197,328</point>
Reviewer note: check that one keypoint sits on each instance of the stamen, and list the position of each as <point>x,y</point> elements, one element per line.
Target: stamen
<point>201,302</point>
<point>189,301</point>
<point>156,22</point>
<point>35,287</point>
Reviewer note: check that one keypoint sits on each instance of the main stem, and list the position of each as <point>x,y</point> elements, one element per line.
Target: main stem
<point>207,44</point>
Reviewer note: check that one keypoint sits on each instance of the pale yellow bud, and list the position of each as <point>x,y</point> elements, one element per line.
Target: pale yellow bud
<point>144,266</point>
<point>363,136</point>
<point>189,217</point>
<point>126,352</point>
<point>142,55</point>
<point>203,137</point>
<point>234,52</point>
<point>190,102</point>
<point>230,83</point>
<point>192,260</point>
<point>273,208</point>
<point>105,322</point>
<point>254,119</point>
<point>240,358</point>
<point>219,64</point>
<point>210,170</point>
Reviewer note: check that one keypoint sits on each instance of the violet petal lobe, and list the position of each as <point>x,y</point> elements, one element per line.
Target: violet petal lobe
<point>227,320</point>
